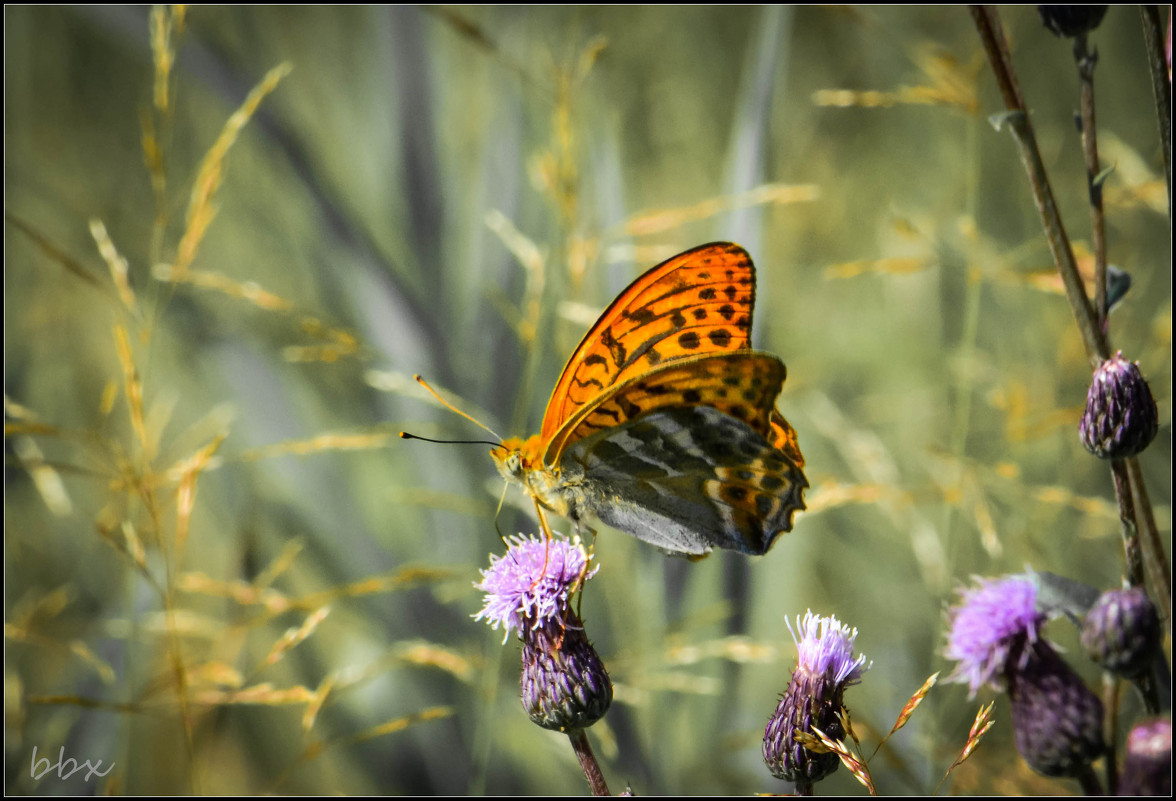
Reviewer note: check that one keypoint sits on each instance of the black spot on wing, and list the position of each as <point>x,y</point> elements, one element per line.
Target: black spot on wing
<point>720,337</point>
<point>771,483</point>
<point>641,315</point>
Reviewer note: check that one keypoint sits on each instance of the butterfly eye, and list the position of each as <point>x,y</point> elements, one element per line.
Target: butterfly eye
<point>514,463</point>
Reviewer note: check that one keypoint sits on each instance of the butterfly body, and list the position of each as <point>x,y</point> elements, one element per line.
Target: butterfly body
<point>663,423</point>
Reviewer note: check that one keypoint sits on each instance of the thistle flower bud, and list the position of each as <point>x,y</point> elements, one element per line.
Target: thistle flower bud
<point>1121,631</point>
<point>1071,20</point>
<point>825,667</point>
<point>1057,720</point>
<point>564,683</point>
<point>1120,418</point>
<point>1147,765</point>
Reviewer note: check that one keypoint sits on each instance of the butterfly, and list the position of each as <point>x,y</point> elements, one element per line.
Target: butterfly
<point>663,423</point>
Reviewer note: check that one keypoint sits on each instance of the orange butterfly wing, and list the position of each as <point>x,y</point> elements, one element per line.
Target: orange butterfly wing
<point>782,436</point>
<point>698,303</point>
<point>743,384</point>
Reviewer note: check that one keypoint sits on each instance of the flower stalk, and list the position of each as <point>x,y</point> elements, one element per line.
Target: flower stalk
<point>992,36</point>
<point>588,762</point>
<point>1086,60</point>
<point>1153,38</point>
<point>1137,514</point>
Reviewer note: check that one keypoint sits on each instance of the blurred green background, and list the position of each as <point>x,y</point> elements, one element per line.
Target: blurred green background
<point>458,192</point>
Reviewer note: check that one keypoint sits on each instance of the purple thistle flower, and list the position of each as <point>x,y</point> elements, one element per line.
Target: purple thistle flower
<point>565,686</point>
<point>825,648</point>
<point>520,591</point>
<point>996,638</point>
<point>825,667</point>
<point>990,629</point>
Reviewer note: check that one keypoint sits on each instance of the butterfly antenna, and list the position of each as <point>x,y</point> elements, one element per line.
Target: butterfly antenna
<point>406,435</point>
<point>454,409</point>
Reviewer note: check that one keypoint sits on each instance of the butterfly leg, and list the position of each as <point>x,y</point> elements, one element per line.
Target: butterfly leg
<point>583,531</point>
<point>546,529</point>
<point>580,530</point>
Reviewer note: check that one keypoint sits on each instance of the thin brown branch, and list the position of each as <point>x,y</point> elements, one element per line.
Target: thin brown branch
<point>1154,561</point>
<point>1132,554</point>
<point>1087,60</point>
<point>992,35</point>
<point>1153,38</point>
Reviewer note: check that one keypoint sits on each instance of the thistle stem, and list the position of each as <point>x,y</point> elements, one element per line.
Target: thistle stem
<point>1154,561</point>
<point>1153,38</point>
<point>992,35</point>
<point>1089,782</point>
<point>1132,555</point>
<point>588,762</point>
<point>1111,728</point>
<point>1086,61</point>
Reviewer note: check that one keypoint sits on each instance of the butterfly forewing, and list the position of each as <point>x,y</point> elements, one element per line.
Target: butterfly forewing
<point>686,479</point>
<point>743,384</point>
<point>699,302</point>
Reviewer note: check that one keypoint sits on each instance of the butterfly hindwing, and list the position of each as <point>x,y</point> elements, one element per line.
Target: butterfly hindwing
<point>685,479</point>
<point>783,436</point>
<point>699,302</point>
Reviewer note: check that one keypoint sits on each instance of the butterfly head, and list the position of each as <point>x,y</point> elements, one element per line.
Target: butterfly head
<point>516,458</point>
